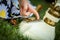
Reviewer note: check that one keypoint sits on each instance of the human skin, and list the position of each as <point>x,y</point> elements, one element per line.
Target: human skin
<point>25,7</point>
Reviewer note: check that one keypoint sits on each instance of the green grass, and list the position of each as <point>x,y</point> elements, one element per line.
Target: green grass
<point>10,32</point>
<point>57,31</point>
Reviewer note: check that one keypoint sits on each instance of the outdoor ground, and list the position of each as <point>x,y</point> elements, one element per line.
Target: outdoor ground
<point>10,32</point>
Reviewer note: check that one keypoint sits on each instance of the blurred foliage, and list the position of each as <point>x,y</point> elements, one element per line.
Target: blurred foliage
<point>10,32</point>
<point>57,31</point>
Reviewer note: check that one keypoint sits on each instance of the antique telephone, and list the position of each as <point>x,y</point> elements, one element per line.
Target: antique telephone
<point>52,14</point>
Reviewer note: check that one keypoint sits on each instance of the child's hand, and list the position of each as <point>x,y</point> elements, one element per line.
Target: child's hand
<point>26,7</point>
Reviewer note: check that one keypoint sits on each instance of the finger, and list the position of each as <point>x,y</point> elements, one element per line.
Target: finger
<point>34,12</point>
<point>21,11</point>
<point>24,13</point>
<point>28,13</point>
<point>25,8</point>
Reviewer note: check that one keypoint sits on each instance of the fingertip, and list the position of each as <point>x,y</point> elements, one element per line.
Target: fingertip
<point>38,17</point>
